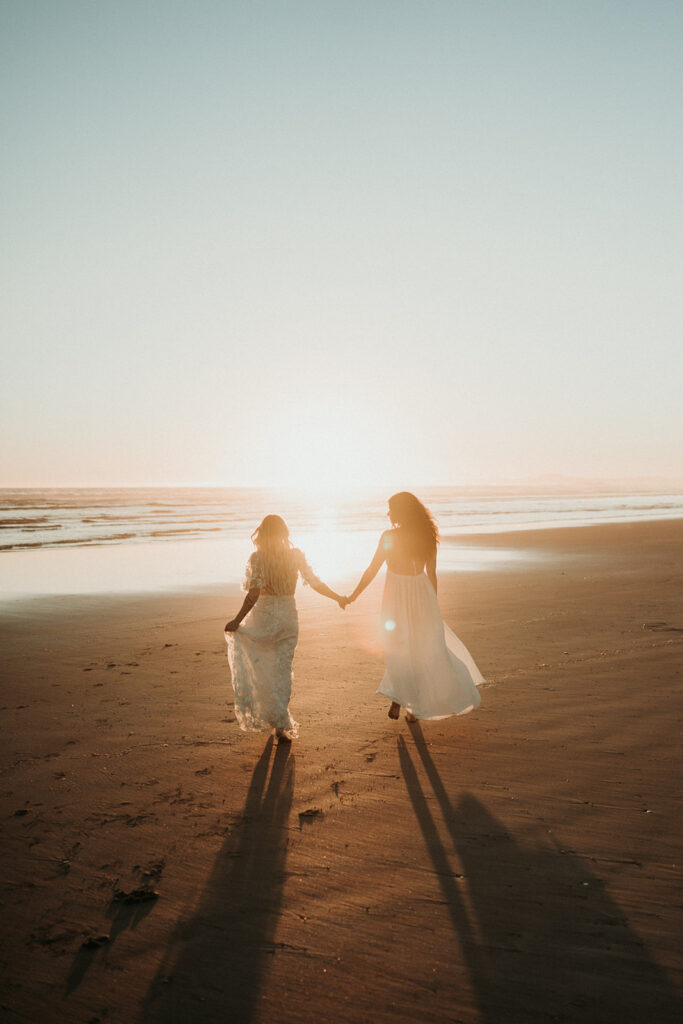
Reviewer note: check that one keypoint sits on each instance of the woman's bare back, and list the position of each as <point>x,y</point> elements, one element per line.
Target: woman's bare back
<point>399,558</point>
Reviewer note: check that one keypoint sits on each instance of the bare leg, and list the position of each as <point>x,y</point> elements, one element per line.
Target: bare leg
<point>410,717</point>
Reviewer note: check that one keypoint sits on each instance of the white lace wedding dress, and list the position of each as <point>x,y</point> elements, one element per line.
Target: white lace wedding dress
<point>261,651</point>
<point>429,671</point>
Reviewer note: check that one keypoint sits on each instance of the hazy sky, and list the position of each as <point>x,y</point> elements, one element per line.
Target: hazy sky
<point>333,242</point>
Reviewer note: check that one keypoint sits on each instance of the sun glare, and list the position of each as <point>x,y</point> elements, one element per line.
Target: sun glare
<point>335,554</point>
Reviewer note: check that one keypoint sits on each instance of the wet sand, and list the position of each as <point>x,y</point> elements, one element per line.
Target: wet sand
<point>519,864</point>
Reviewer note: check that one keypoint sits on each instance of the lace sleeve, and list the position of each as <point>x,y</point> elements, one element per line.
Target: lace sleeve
<point>253,574</point>
<point>305,571</point>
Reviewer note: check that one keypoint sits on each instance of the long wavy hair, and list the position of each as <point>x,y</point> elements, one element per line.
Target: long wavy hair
<point>416,524</point>
<point>271,539</point>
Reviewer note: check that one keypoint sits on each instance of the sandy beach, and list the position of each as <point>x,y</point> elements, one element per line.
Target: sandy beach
<point>518,864</point>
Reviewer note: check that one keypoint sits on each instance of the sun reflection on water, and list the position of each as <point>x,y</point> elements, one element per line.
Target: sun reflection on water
<point>334,553</point>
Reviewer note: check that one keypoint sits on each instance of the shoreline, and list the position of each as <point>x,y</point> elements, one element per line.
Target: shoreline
<point>499,551</point>
<point>517,863</point>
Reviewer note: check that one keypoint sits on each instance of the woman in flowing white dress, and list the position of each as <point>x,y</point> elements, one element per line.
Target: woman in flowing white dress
<point>261,651</point>
<point>429,671</point>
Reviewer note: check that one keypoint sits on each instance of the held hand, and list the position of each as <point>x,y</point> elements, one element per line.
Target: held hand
<point>231,626</point>
<point>343,602</point>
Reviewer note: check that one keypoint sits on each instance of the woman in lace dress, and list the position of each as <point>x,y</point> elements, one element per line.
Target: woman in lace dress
<point>428,669</point>
<point>261,651</point>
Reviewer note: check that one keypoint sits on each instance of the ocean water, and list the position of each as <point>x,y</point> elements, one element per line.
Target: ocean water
<point>119,539</point>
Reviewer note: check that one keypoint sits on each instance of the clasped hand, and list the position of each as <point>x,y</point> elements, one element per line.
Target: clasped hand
<point>342,601</point>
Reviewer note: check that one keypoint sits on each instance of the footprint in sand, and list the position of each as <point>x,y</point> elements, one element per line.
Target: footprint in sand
<point>96,942</point>
<point>309,816</point>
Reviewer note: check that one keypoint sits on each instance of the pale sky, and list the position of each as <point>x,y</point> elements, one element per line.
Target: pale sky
<point>340,242</point>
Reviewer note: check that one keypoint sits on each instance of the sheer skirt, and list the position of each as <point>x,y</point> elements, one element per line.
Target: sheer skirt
<point>260,654</point>
<point>429,671</point>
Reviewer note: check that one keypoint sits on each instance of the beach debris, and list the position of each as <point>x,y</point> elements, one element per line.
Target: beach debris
<point>152,873</point>
<point>62,865</point>
<point>134,896</point>
<point>309,816</point>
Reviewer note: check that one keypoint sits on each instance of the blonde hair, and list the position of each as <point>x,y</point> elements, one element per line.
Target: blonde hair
<point>276,560</point>
<point>416,524</point>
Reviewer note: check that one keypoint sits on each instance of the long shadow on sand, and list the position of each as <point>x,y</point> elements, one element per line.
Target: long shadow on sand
<point>122,917</point>
<point>213,967</point>
<point>540,937</point>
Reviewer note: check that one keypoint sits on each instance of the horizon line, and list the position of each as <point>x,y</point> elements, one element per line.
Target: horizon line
<point>545,480</point>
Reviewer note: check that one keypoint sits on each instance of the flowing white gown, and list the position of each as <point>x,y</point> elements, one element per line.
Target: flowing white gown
<point>429,671</point>
<point>261,651</point>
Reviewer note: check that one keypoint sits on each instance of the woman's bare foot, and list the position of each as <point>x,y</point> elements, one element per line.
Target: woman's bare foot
<point>410,717</point>
<point>394,709</point>
<point>282,736</point>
